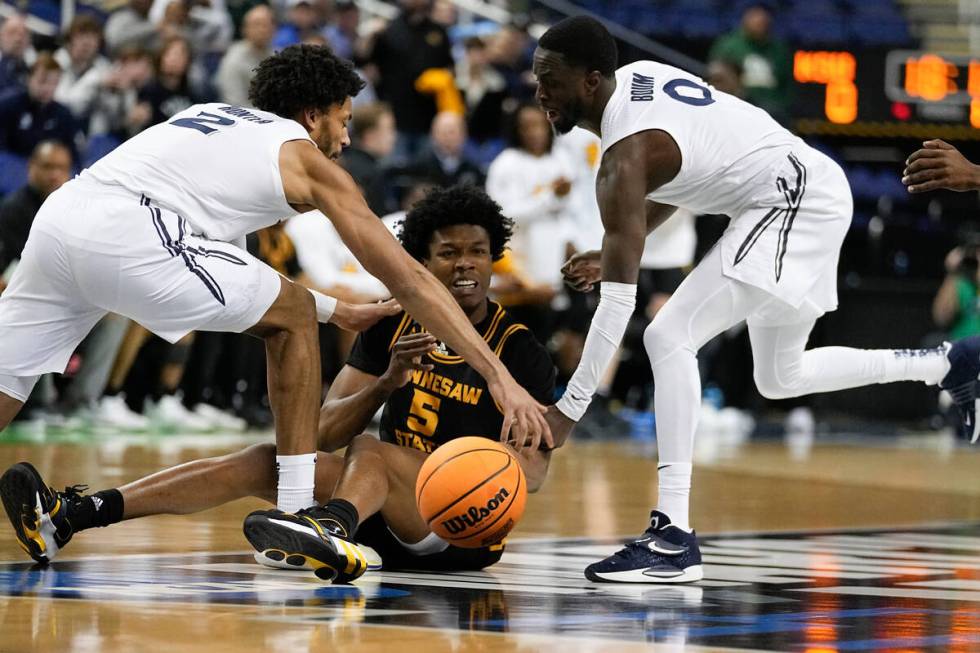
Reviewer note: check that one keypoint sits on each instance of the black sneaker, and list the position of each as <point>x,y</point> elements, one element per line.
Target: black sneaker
<point>663,554</point>
<point>961,382</point>
<point>38,514</point>
<point>305,540</point>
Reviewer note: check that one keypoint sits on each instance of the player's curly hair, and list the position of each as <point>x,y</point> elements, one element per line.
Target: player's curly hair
<point>446,207</point>
<point>302,77</point>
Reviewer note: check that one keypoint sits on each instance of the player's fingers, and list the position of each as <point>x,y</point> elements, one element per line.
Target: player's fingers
<point>547,437</point>
<point>926,186</point>
<point>929,174</point>
<point>938,144</point>
<point>918,155</point>
<point>508,422</point>
<point>414,340</point>
<point>390,306</point>
<point>924,163</point>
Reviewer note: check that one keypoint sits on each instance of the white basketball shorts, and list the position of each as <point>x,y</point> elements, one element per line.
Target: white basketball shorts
<point>96,249</point>
<point>787,241</point>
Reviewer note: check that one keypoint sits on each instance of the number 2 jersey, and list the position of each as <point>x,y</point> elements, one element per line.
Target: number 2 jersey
<point>452,400</point>
<point>789,204</point>
<point>215,165</point>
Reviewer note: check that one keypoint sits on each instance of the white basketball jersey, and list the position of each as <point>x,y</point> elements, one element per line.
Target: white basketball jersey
<point>726,144</point>
<point>215,165</point>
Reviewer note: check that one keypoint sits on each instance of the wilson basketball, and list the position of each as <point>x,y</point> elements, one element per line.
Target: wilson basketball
<point>471,492</point>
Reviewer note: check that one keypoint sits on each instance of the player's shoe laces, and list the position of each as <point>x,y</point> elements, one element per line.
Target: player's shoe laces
<point>961,383</point>
<point>663,554</point>
<point>305,540</point>
<point>39,515</point>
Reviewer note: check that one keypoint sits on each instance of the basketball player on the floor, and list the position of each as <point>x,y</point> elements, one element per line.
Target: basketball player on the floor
<point>147,233</point>
<point>670,140</point>
<point>429,396</point>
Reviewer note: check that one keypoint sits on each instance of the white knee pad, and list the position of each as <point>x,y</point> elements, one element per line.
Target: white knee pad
<point>662,338</point>
<point>782,379</point>
<point>18,387</point>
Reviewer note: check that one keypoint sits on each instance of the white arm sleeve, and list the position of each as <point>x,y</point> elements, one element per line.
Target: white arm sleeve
<point>616,304</point>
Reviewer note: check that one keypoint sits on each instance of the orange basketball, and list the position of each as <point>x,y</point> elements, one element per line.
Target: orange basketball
<point>471,492</point>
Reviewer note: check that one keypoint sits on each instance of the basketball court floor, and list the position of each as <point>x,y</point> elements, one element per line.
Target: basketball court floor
<point>843,544</point>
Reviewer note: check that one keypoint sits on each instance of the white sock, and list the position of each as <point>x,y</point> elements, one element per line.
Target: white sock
<point>296,476</point>
<point>674,493</point>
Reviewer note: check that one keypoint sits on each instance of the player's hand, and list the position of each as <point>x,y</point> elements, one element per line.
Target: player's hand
<point>524,426</point>
<point>561,187</point>
<point>406,357</point>
<point>561,426</point>
<point>358,317</point>
<point>939,165</point>
<point>583,271</point>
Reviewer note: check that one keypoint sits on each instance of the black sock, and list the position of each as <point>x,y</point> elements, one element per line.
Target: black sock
<point>341,517</point>
<point>99,509</point>
<point>112,392</point>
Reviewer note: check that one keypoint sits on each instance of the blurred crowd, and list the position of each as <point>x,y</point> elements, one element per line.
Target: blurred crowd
<point>446,103</point>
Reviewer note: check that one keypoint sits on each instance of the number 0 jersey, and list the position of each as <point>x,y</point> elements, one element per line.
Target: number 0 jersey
<point>215,165</point>
<point>452,400</point>
<point>727,145</point>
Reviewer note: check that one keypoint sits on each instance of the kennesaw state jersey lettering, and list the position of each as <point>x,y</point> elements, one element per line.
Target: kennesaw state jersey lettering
<point>452,400</point>
<point>215,165</point>
<point>727,145</point>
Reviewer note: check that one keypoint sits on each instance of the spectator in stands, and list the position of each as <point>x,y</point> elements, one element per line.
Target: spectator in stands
<point>301,22</point>
<point>764,60</point>
<point>374,135</point>
<point>411,45</point>
<point>342,32</point>
<point>131,26</point>
<point>532,184</point>
<point>15,51</point>
<point>29,116</point>
<point>484,91</point>
<point>445,162</point>
<point>118,113</point>
<point>956,307</point>
<point>82,67</point>
<point>206,24</point>
<point>235,72</point>
<point>170,93</point>
<point>510,51</point>
<point>48,168</point>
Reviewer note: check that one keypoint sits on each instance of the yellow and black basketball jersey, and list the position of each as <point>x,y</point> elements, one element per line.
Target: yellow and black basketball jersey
<point>452,400</point>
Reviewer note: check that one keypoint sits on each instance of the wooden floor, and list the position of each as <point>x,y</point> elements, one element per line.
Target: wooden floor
<point>173,583</point>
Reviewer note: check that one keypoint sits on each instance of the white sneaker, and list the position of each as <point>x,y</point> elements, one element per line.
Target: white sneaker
<point>220,419</point>
<point>171,414</point>
<point>112,412</point>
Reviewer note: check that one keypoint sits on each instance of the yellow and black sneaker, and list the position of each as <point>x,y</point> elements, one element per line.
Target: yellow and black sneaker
<point>38,514</point>
<point>305,540</point>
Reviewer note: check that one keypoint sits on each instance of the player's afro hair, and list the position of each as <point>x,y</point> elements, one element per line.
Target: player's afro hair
<point>302,77</point>
<point>447,207</point>
<point>584,42</point>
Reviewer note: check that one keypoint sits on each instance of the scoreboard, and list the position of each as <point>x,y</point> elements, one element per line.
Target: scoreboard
<point>898,93</point>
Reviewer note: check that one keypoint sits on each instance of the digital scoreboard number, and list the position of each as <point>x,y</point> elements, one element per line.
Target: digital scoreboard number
<point>901,87</point>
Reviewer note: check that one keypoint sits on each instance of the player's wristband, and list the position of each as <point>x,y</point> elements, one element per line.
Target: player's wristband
<point>616,304</point>
<point>325,306</point>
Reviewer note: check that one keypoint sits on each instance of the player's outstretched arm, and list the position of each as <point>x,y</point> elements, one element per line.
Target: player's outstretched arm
<point>310,179</point>
<point>630,170</point>
<point>939,165</point>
